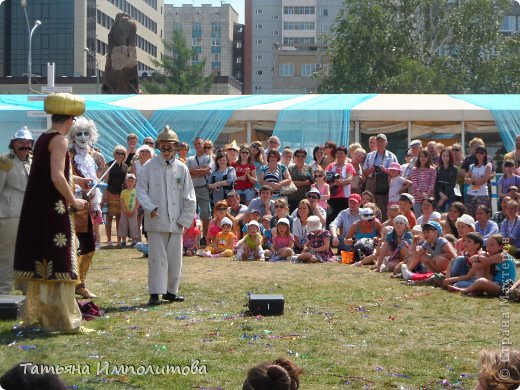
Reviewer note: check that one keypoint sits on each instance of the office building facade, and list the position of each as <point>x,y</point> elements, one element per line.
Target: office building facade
<point>212,32</point>
<point>68,27</point>
<point>275,27</point>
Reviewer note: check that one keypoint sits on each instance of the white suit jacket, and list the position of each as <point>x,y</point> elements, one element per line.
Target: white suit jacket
<point>170,190</point>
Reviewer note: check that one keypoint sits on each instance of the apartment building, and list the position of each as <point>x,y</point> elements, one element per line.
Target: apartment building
<point>278,29</point>
<point>213,32</point>
<point>67,28</point>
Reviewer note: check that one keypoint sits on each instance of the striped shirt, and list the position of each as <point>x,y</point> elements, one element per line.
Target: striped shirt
<point>423,181</point>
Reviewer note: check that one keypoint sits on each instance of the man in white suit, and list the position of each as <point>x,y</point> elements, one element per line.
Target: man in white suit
<point>166,193</point>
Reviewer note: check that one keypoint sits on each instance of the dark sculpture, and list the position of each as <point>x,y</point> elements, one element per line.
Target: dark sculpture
<point>120,75</point>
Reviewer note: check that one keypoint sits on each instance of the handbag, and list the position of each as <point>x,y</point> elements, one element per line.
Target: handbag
<point>288,189</point>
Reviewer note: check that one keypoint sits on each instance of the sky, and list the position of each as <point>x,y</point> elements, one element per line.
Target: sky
<point>238,5</point>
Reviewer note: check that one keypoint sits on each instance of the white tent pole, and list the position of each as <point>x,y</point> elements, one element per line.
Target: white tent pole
<point>248,134</point>
<point>357,136</point>
<point>409,132</point>
<point>463,136</point>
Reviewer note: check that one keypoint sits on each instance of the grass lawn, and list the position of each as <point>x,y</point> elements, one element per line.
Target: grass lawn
<point>347,327</point>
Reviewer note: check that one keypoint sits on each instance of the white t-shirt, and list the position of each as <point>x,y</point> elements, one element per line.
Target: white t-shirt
<point>396,183</point>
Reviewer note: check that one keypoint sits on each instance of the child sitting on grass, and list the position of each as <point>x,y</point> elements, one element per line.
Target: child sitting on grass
<point>436,252</point>
<point>223,243</point>
<point>317,246</point>
<point>283,242</point>
<point>250,246</point>
<point>267,240</point>
<point>191,238</point>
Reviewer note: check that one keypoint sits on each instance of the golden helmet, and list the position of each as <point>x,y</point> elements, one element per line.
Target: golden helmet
<point>167,135</point>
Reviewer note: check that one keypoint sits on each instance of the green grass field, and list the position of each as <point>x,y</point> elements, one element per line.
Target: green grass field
<point>347,327</point>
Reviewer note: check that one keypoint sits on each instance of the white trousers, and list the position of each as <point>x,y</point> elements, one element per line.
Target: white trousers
<point>8,231</point>
<point>164,262</point>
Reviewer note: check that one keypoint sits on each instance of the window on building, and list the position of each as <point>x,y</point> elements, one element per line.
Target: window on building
<point>258,41</point>
<point>196,41</point>
<point>275,17</point>
<point>196,26</point>
<point>215,26</point>
<point>324,28</point>
<point>307,69</point>
<point>258,88</point>
<point>324,12</point>
<point>305,10</point>
<point>259,72</point>
<point>285,70</point>
<point>259,57</point>
<point>299,25</point>
<point>276,32</point>
<point>215,41</point>
<point>299,41</point>
<point>216,57</point>
<point>508,24</point>
<point>238,60</point>
<point>259,11</point>
<point>238,45</point>
<point>195,57</point>
<point>259,26</point>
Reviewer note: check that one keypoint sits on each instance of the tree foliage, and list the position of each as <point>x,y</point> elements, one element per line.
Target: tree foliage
<point>175,73</point>
<point>423,46</point>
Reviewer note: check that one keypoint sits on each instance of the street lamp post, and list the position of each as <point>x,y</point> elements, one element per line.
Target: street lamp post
<point>37,23</point>
<point>87,50</point>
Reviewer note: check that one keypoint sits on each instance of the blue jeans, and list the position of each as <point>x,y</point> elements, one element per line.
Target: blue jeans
<point>459,267</point>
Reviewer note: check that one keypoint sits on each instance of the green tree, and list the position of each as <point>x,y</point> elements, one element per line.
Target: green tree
<point>175,73</point>
<point>423,46</point>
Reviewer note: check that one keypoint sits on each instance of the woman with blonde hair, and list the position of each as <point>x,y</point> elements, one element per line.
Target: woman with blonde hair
<point>219,212</point>
<point>500,370</point>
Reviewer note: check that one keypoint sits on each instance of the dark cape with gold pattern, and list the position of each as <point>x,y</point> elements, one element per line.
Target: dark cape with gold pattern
<point>45,245</point>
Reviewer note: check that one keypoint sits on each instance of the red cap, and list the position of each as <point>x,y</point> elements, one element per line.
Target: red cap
<point>355,197</point>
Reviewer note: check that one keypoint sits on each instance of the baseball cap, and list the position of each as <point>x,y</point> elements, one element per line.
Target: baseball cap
<point>408,197</point>
<point>432,224</point>
<point>381,136</point>
<point>355,198</point>
<point>415,142</point>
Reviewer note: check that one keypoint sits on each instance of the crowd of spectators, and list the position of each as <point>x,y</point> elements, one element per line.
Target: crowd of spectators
<point>414,218</point>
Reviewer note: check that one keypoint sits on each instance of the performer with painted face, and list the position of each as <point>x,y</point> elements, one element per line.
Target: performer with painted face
<point>82,136</point>
<point>14,172</point>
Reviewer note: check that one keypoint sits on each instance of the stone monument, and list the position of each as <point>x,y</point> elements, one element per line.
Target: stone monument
<point>120,75</point>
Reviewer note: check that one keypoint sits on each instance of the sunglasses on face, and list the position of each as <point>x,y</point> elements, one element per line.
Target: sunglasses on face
<point>318,175</point>
<point>299,155</point>
<point>455,149</point>
<point>167,148</point>
<point>244,152</point>
<point>120,154</point>
<point>312,197</point>
<point>279,206</point>
<point>82,133</point>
